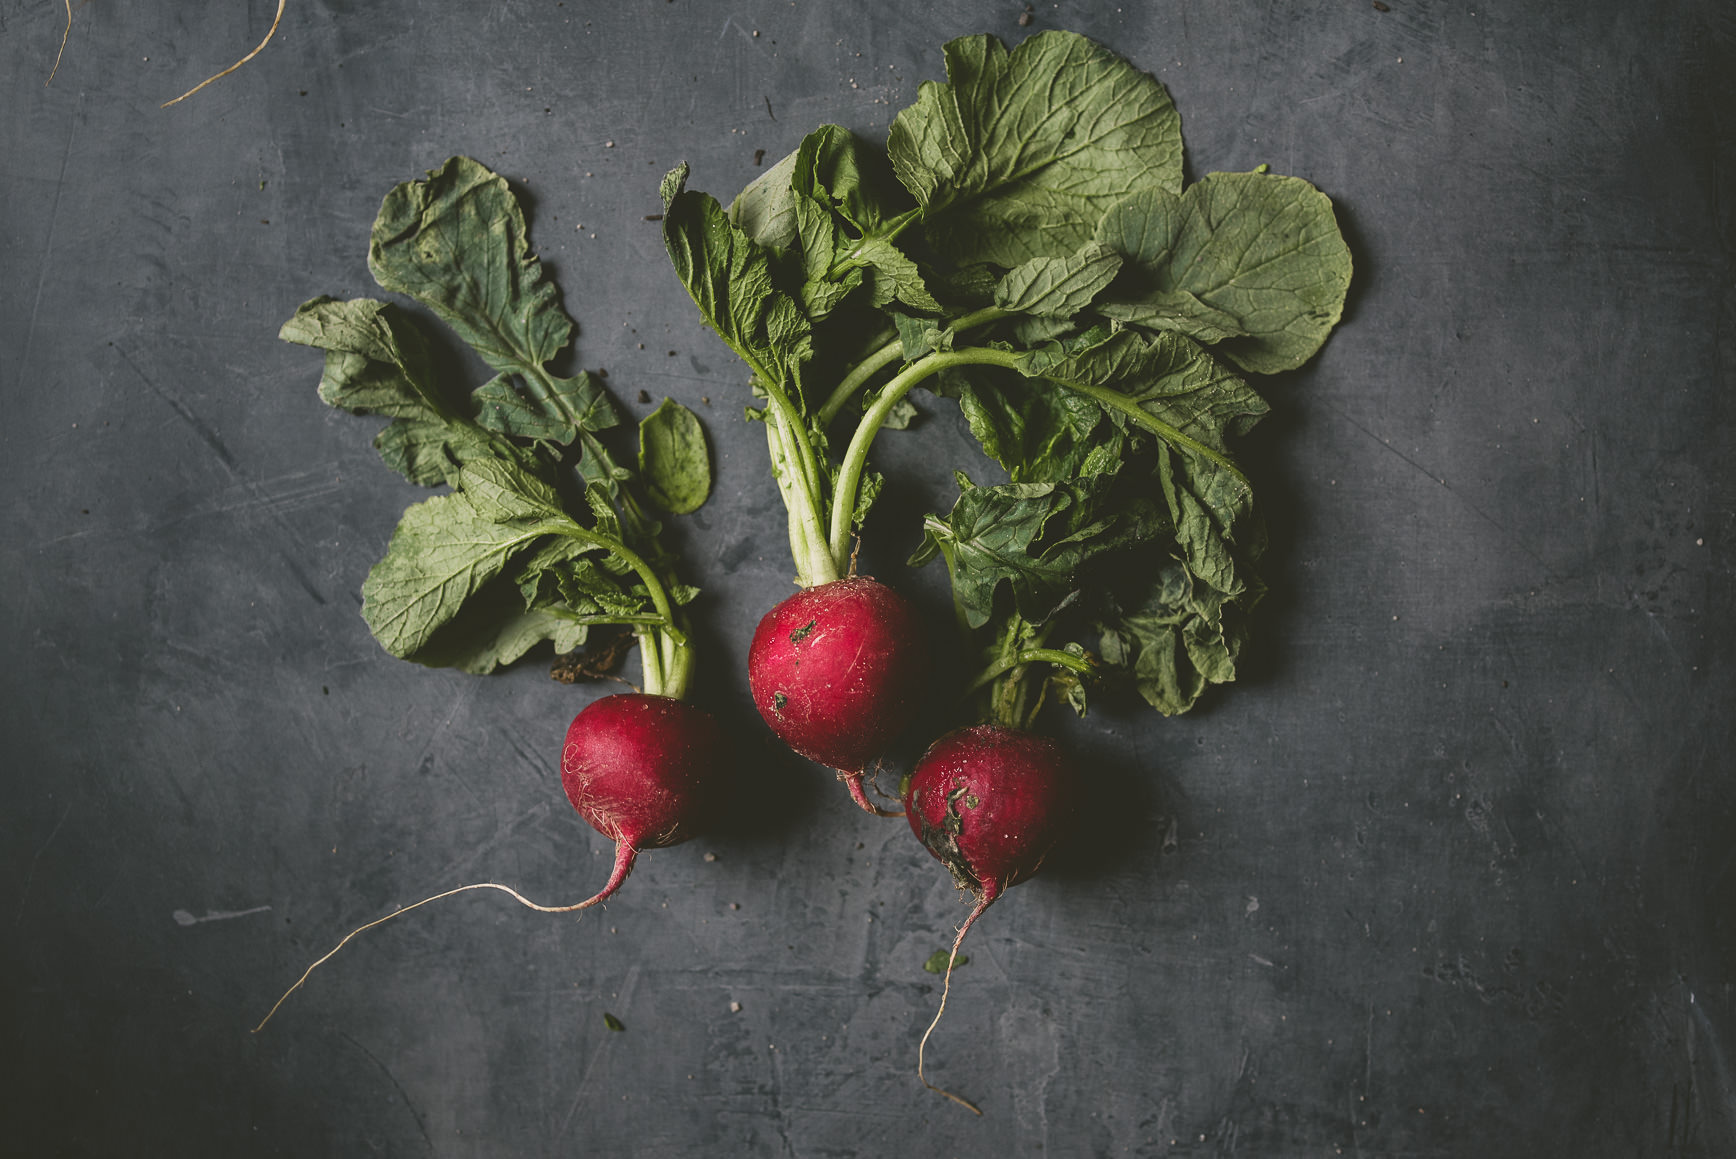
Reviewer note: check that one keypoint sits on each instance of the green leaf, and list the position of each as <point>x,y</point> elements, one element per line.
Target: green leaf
<point>969,287</point>
<point>902,415</point>
<point>591,591</point>
<point>847,209</point>
<point>1181,637</point>
<point>1036,538</point>
<point>1027,330</point>
<point>492,630</point>
<point>1215,524</point>
<point>613,1023</point>
<point>456,243</point>
<point>851,177</point>
<point>1252,262</point>
<point>673,459</point>
<point>867,493</point>
<point>377,362</point>
<point>1037,433</point>
<point>936,963</point>
<point>919,336</point>
<point>503,491</point>
<point>766,210</point>
<point>550,408</point>
<point>1169,376</point>
<point>821,297</point>
<point>441,554</point>
<point>729,278</point>
<point>1176,382</point>
<point>894,276</point>
<point>1020,154</point>
<point>428,453</point>
<point>1058,287</point>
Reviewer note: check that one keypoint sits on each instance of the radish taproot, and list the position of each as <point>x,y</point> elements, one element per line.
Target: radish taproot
<point>647,772</point>
<point>837,672</point>
<point>989,803</point>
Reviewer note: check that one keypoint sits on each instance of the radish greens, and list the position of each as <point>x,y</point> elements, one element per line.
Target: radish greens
<point>1024,245</point>
<point>544,531</point>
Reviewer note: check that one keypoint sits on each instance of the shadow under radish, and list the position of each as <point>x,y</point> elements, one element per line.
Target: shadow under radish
<point>1127,813</point>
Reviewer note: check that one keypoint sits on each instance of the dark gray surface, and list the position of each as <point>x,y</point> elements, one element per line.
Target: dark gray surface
<point>1450,873</point>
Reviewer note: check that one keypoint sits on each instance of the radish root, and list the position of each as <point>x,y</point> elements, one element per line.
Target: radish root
<point>62,49</point>
<point>857,794</point>
<point>624,855</point>
<point>272,31</point>
<point>945,988</point>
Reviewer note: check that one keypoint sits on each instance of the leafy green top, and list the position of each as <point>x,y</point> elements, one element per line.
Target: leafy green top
<point>544,531</point>
<point>1025,246</point>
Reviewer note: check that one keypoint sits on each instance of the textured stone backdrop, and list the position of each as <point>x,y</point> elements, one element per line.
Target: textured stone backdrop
<point>1449,873</point>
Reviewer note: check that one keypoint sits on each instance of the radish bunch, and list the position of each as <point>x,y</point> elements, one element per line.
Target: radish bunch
<point>1023,244</point>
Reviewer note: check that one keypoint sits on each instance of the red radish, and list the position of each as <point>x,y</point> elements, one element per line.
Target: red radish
<point>837,671</point>
<point>990,803</point>
<point>644,770</point>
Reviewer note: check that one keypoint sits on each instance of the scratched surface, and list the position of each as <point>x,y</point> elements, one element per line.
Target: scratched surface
<point>1450,872</point>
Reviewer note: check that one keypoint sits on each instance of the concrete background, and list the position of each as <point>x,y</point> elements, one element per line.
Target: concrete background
<point>1450,872</point>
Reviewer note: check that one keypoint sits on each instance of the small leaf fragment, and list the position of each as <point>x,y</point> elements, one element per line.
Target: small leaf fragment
<point>936,963</point>
<point>673,458</point>
<point>612,1022</point>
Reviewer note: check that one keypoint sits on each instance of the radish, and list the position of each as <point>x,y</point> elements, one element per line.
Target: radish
<point>544,533</point>
<point>837,672</point>
<point>990,803</point>
<point>644,770</point>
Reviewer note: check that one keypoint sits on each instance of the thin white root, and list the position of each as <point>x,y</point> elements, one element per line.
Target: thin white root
<point>268,35</point>
<point>57,55</point>
<point>624,857</point>
<point>946,988</point>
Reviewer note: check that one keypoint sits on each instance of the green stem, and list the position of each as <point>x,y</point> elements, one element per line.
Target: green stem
<point>796,442</point>
<point>862,372</point>
<point>856,455</point>
<point>677,665</point>
<point>1055,656</point>
<point>889,353</point>
<point>980,317</point>
<point>1113,399</point>
<point>650,661</point>
<point>665,658</point>
<point>802,500</point>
